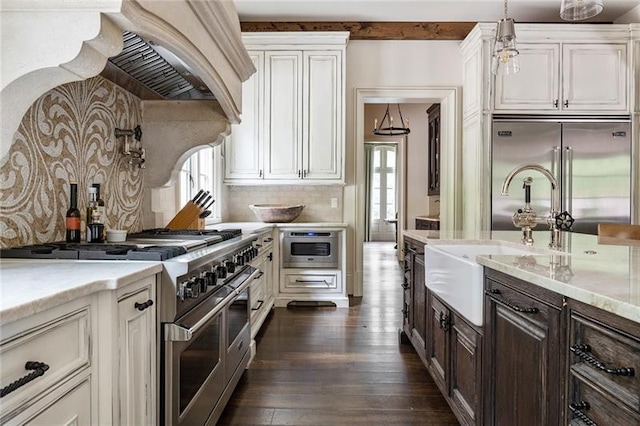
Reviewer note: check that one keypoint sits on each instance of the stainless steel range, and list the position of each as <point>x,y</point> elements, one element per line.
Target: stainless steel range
<point>203,311</point>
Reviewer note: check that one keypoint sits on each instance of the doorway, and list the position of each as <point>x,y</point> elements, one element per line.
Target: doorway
<point>382,191</point>
<point>450,206</point>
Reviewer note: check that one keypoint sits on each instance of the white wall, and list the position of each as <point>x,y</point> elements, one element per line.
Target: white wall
<point>398,64</point>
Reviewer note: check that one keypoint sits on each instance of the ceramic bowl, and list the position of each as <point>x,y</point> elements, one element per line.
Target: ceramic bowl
<point>276,213</point>
<point>116,235</point>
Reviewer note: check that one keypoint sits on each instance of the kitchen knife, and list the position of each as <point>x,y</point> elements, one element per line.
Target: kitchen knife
<point>207,212</point>
<point>204,202</point>
<point>198,201</point>
<point>197,195</point>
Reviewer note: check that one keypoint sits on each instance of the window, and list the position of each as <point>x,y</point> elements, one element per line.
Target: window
<point>202,171</point>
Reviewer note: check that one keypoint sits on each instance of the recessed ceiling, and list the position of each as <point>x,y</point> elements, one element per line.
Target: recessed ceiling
<point>416,10</point>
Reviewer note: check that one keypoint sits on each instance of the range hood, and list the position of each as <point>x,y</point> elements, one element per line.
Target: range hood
<point>152,72</point>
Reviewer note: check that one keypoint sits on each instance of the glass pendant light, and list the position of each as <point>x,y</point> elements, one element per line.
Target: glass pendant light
<point>505,54</point>
<point>579,10</point>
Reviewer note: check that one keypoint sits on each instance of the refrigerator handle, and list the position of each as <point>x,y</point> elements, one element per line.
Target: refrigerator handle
<point>568,177</point>
<point>555,162</point>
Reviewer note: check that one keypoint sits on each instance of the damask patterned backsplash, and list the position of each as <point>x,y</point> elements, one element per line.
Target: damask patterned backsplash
<point>68,136</point>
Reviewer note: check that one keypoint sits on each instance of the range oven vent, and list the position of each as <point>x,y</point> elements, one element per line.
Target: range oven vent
<point>158,70</point>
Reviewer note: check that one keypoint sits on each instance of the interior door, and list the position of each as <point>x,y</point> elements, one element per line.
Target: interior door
<point>383,193</point>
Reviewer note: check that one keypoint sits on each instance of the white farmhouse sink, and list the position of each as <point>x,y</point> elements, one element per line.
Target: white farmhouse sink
<point>453,274</point>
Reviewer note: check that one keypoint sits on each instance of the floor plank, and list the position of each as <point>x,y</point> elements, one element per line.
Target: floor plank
<point>329,366</point>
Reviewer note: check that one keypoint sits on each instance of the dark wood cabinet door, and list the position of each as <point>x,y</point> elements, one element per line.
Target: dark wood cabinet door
<point>419,299</point>
<point>466,371</point>
<point>439,341</point>
<point>523,357</point>
<point>434,150</point>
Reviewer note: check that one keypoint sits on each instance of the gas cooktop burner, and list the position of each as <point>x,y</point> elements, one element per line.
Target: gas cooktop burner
<point>226,234</point>
<point>88,251</point>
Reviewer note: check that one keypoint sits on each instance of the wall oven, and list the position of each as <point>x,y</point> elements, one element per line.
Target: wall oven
<point>310,249</point>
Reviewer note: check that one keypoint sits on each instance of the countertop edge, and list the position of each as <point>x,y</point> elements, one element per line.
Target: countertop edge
<point>39,303</point>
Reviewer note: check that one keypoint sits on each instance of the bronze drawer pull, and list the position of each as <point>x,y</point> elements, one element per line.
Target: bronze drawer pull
<point>260,303</point>
<point>144,305</point>
<point>39,368</point>
<point>516,308</point>
<point>576,409</point>
<point>583,351</point>
<point>444,321</point>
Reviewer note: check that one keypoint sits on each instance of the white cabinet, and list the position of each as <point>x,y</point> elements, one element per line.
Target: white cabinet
<point>137,357</point>
<point>127,351</point>
<point>261,294</point>
<point>566,78</point>
<point>48,374</point>
<point>293,122</point>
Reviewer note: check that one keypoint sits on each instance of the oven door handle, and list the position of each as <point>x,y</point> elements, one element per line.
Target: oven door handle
<point>176,333</point>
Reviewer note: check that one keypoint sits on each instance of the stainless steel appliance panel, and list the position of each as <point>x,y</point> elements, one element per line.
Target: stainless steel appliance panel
<point>597,170</point>
<point>516,143</point>
<point>591,159</point>
<point>310,249</point>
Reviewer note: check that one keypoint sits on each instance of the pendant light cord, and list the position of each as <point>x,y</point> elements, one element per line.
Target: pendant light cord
<point>505,9</point>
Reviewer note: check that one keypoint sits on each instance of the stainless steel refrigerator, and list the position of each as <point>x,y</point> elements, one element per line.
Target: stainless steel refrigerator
<point>591,159</point>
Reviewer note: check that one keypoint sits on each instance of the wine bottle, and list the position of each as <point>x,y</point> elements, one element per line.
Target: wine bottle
<point>101,206</point>
<point>72,223</point>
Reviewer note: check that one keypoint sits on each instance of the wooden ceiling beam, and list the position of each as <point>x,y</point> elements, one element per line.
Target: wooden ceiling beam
<point>373,30</point>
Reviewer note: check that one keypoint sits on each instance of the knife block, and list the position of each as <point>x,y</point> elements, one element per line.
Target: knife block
<point>197,224</point>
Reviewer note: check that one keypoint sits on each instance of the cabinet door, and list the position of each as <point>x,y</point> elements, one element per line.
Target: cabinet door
<point>594,77</point>
<point>283,115</point>
<point>243,147</point>
<point>439,343</point>
<point>137,343</point>
<point>535,87</point>
<point>523,361</point>
<point>71,409</point>
<point>322,116</point>
<point>465,378</point>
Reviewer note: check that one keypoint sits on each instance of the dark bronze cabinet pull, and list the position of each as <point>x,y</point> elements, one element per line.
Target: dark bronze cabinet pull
<point>39,368</point>
<point>143,306</point>
<point>511,305</point>
<point>443,321</point>
<point>260,303</point>
<point>583,351</point>
<point>576,409</point>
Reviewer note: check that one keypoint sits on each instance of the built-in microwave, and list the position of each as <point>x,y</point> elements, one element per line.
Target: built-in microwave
<point>310,249</point>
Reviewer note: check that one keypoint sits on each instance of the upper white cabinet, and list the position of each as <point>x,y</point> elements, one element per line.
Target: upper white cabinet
<point>292,128</point>
<point>566,78</point>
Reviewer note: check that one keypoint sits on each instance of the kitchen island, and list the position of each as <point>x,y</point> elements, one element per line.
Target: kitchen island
<point>559,337</point>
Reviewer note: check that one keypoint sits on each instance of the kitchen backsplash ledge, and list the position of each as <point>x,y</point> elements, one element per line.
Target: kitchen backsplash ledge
<point>316,198</point>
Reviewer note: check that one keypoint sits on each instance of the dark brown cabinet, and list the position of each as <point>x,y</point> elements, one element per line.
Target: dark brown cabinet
<point>454,356</point>
<point>431,224</point>
<point>415,291</point>
<point>433,183</point>
<point>524,363</point>
<point>604,368</point>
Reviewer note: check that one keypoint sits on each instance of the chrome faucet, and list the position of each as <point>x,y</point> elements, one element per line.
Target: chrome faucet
<point>557,221</point>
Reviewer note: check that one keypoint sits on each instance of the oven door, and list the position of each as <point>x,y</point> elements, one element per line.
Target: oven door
<point>310,250</point>
<point>194,363</point>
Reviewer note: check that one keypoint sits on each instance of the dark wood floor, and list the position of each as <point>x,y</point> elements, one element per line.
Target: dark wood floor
<point>329,366</point>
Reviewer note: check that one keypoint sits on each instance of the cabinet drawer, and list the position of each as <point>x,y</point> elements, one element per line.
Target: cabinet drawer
<point>257,295</point>
<point>519,303</point>
<point>296,283</point>
<point>62,343</point>
<point>595,406</point>
<point>72,409</point>
<point>601,354</point>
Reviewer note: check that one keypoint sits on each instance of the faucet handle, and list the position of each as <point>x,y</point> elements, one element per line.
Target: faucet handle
<point>564,221</point>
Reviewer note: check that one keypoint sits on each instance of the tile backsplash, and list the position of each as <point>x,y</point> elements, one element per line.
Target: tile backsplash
<point>68,136</point>
<point>317,201</point>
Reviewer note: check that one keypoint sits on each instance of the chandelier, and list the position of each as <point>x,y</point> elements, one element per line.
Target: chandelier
<point>386,125</point>
<point>579,10</point>
<point>505,55</point>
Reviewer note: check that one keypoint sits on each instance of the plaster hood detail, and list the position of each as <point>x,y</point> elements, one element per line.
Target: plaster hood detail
<point>40,52</point>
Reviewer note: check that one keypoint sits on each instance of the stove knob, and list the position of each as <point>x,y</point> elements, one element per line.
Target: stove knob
<point>241,260</point>
<point>211,278</point>
<point>202,284</point>
<point>222,271</point>
<point>231,266</point>
<point>182,290</point>
<point>256,251</point>
<point>194,285</point>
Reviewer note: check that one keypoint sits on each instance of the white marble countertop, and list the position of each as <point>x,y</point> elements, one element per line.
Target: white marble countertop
<point>258,227</point>
<point>29,286</point>
<point>602,272</point>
